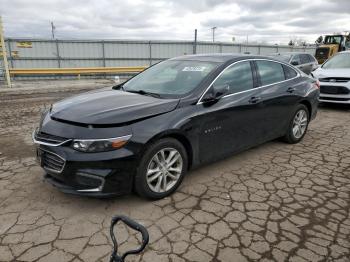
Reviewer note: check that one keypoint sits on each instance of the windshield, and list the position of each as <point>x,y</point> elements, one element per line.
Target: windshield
<point>333,40</point>
<point>283,58</point>
<point>171,77</point>
<point>338,61</point>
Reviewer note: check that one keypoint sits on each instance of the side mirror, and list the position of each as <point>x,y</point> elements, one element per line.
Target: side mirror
<point>215,93</point>
<point>294,63</point>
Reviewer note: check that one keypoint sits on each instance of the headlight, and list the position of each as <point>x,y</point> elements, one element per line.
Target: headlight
<point>100,145</point>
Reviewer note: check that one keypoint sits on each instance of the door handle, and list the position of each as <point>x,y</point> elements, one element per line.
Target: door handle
<point>254,99</point>
<point>291,89</point>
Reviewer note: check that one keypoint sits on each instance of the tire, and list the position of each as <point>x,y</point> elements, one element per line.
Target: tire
<point>291,136</point>
<point>148,186</point>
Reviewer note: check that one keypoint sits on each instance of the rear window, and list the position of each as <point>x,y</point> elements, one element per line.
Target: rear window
<point>289,72</point>
<point>304,58</point>
<point>270,72</point>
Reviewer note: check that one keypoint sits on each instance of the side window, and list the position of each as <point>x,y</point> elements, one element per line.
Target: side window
<point>295,60</point>
<point>270,72</point>
<point>289,72</point>
<point>238,77</point>
<point>304,59</point>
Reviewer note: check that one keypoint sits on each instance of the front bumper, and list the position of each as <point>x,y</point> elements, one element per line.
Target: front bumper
<point>335,93</point>
<point>338,99</point>
<point>101,174</point>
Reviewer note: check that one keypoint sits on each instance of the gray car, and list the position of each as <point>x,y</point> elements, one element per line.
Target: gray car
<point>303,61</point>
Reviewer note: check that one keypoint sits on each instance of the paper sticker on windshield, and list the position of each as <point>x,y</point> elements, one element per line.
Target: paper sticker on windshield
<point>194,68</point>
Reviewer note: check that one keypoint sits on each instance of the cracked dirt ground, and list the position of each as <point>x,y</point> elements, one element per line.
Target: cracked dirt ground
<point>275,202</point>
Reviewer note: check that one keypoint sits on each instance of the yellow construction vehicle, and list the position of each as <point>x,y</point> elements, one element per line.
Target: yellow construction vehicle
<point>330,45</point>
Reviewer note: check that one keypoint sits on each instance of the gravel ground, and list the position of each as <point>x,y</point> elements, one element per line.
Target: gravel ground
<point>275,202</point>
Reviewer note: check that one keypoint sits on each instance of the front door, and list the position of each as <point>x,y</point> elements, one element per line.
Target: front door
<point>232,123</point>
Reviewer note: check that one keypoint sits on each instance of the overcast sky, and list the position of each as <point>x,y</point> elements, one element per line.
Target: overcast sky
<point>271,21</point>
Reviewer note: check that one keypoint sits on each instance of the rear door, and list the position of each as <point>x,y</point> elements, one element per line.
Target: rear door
<point>313,61</point>
<point>306,63</point>
<point>278,84</point>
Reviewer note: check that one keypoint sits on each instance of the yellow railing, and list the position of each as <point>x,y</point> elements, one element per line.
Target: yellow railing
<point>75,71</point>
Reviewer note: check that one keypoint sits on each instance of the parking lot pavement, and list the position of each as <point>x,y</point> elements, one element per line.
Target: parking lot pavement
<point>275,202</point>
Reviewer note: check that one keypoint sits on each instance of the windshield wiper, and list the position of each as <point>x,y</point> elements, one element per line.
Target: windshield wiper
<point>143,92</point>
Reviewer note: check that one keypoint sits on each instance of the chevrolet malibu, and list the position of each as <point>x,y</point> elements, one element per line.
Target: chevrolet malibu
<point>145,134</point>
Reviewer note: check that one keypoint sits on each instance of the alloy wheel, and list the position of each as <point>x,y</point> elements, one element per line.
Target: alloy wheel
<point>164,170</point>
<point>300,123</point>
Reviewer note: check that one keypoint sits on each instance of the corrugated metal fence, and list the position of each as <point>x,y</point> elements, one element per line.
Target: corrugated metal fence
<point>41,53</point>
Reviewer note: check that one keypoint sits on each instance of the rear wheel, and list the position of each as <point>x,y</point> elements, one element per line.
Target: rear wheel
<point>298,125</point>
<point>161,169</point>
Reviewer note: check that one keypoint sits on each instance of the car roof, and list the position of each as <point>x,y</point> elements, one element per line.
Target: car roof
<point>291,53</point>
<point>221,57</point>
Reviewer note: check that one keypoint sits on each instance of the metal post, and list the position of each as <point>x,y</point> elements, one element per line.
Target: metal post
<point>220,47</point>
<point>259,51</point>
<point>150,52</point>
<point>195,42</point>
<point>213,28</point>
<point>4,55</point>
<point>103,54</point>
<point>53,30</point>
<point>58,54</point>
<point>10,51</point>
<point>103,58</point>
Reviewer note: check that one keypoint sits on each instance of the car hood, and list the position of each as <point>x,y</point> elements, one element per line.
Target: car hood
<point>109,107</point>
<point>322,73</point>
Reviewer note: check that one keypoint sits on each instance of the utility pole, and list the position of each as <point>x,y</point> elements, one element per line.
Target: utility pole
<point>53,28</point>
<point>214,28</point>
<point>4,54</point>
<point>195,42</point>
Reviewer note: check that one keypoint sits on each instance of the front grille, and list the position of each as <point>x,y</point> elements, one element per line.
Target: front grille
<point>50,139</point>
<point>334,90</point>
<point>51,161</point>
<point>322,53</point>
<point>334,98</point>
<point>335,79</point>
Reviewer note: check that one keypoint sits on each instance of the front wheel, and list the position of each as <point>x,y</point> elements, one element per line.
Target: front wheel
<point>298,125</point>
<point>161,169</point>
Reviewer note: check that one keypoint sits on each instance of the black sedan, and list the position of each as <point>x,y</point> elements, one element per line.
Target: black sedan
<point>146,133</point>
